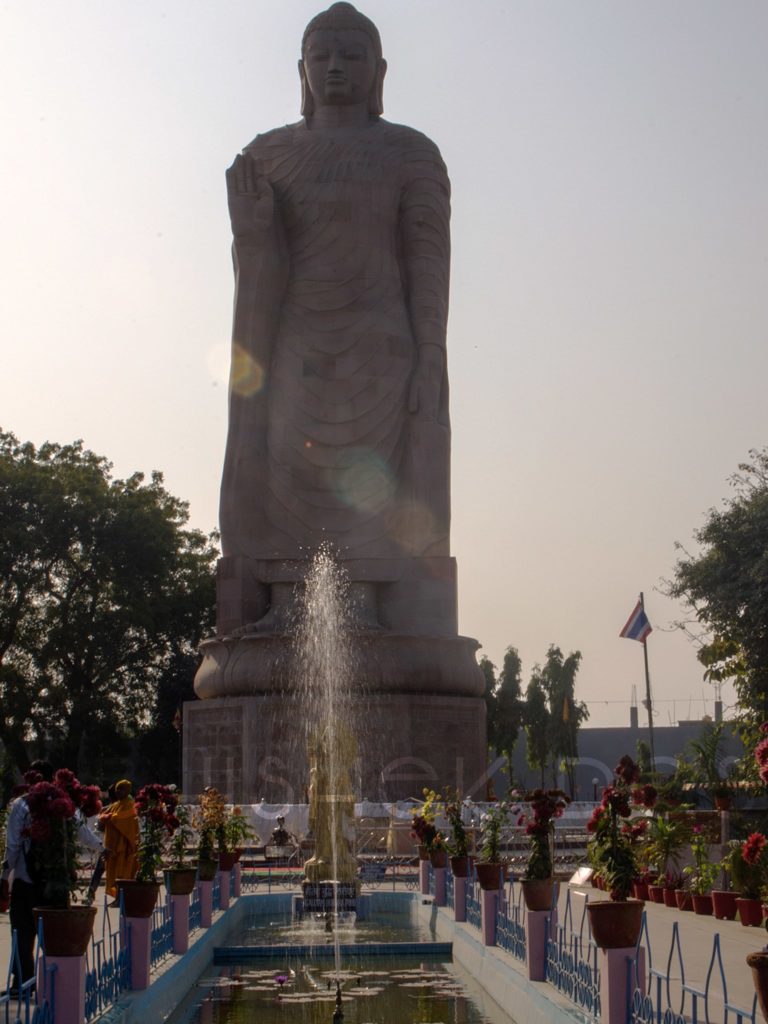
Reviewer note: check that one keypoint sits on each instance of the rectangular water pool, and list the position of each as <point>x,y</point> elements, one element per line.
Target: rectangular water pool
<point>300,989</point>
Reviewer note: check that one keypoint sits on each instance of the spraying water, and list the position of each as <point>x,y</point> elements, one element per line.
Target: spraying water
<point>325,667</point>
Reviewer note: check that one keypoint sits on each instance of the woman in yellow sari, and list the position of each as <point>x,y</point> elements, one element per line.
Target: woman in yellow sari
<point>121,837</point>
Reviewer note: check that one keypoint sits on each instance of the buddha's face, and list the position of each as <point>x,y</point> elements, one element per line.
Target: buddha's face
<point>340,66</point>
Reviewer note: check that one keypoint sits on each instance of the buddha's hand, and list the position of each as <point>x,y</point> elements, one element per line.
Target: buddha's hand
<point>251,201</point>
<point>424,397</point>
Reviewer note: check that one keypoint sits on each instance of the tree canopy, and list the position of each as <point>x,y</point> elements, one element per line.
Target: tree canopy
<point>504,705</point>
<point>553,716</point>
<point>103,591</point>
<point>726,586</point>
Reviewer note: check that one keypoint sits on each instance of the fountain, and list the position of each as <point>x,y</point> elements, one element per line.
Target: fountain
<point>325,666</point>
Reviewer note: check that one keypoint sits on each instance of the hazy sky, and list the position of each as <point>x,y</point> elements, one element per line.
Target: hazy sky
<point>607,338</point>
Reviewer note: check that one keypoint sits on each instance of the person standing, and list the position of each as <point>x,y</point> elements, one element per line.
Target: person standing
<point>121,837</point>
<point>28,886</point>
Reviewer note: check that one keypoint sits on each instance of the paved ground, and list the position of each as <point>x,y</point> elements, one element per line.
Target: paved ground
<point>696,943</point>
<point>696,940</point>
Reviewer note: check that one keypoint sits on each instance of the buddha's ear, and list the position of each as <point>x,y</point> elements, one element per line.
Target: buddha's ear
<point>307,100</point>
<point>376,99</point>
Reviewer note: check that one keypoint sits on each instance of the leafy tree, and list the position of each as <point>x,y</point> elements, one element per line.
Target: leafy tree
<point>489,674</point>
<point>537,724</point>
<point>558,679</point>
<point>101,587</point>
<point>508,709</point>
<point>726,587</point>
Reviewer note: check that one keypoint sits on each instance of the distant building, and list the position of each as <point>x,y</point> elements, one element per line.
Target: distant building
<point>601,749</point>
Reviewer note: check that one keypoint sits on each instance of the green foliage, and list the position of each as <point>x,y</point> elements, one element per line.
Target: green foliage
<point>101,586</point>
<point>507,719</point>
<point>703,872</point>
<point>458,844</point>
<point>726,587</point>
<point>537,729</point>
<point>182,839</point>
<point>666,838</point>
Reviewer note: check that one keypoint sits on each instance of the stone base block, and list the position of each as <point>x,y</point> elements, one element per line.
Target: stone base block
<point>253,748</point>
<point>383,662</point>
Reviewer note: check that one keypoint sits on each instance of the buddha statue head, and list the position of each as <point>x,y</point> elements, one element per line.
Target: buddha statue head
<point>341,61</point>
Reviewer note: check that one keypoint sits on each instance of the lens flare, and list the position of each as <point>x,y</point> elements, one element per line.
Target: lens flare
<point>364,480</point>
<point>247,376</point>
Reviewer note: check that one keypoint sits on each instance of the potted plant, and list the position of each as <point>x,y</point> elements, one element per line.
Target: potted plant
<point>748,862</point>
<point>701,874</point>
<point>181,872</point>
<point>683,897</point>
<point>57,810</point>
<point>666,839</point>
<point>758,961</point>
<point>538,883</point>
<point>489,868</point>
<point>237,832</point>
<point>156,810</point>
<point>438,850</point>
<point>616,923</point>
<point>423,827</point>
<point>208,821</point>
<point>458,841</point>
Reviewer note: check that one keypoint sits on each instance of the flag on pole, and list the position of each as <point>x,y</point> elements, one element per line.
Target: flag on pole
<point>637,626</point>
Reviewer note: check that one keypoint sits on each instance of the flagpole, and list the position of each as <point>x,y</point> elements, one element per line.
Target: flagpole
<point>648,695</point>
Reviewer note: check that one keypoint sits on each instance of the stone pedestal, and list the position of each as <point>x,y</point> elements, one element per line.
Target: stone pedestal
<point>206,904</point>
<point>424,877</point>
<point>62,987</point>
<point>459,899</point>
<point>224,886</point>
<point>489,899</point>
<point>440,894</point>
<point>617,981</point>
<point>536,943</point>
<point>247,746</point>
<point>238,879</point>
<point>180,914</point>
<point>141,949</point>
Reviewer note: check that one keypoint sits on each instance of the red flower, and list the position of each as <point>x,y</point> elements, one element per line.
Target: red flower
<point>39,831</point>
<point>61,807</point>
<point>645,795</point>
<point>90,800</point>
<point>752,848</point>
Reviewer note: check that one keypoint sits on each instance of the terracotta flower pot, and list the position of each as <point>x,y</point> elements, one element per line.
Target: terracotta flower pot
<point>423,852</point>
<point>438,858</point>
<point>656,893</point>
<point>615,923</point>
<point>758,962</point>
<point>206,869</point>
<point>750,912</point>
<point>683,899</point>
<point>181,881</point>
<point>489,874</point>
<point>640,890</point>
<point>723,904</point>
<point>669,898</point>
<point>227,860</point>
<point>66,931</point>
<point>722,803</point>
<point>139,898</point>
<point>460,867</point>
<point>538,892</point>
<point>702,904</point>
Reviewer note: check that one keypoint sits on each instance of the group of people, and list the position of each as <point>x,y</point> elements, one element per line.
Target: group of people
<point>114,839</point>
